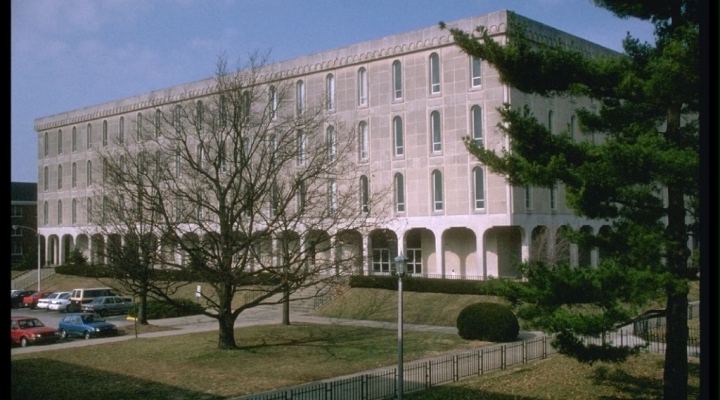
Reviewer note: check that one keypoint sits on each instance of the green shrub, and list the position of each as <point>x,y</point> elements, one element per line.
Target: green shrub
<point>159,309</point>
<point>489,287</point>
<point>492,322</point>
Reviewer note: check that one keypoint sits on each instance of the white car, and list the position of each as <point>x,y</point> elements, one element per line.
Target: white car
<point>60,303</point>
<point>45,302</point>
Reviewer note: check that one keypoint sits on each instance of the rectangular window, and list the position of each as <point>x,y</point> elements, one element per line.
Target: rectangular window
<point>477,125</point>
<point>399,193</point>
<point>16,249</point>
<point>414,261</point>
<point>330,91</point>
<point>364,140</point>
<point>398,136</point>
<point>15,211</point>
<point>381,260</point>
<point>479,186</point>
<point>436,132</point>
<point>553,202</point>
<point>528,197</point>
<point>476,72</point>
<point>300,148</point>
<point>273,105</point>
<point>60,140</point>
<point>88,139</point>
<point>16,231</point>
<point>437,191</point>
<point>300,97</point>
<point>105,134</point>
<point>74,139</point>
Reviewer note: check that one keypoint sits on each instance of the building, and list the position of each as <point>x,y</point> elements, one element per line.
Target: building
<point>412,97</point>
<point>23,224</point>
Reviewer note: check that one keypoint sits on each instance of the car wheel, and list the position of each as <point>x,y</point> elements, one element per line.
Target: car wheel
<point>86,335</point>
<point>63,334</point>
<point>103,313</point>
<point>23,342</point>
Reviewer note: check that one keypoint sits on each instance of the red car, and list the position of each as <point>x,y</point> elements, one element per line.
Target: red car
<point>28,330</point>
<point>32,300</point>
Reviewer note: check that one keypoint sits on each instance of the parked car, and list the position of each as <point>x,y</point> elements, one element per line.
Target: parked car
<point>32,300</point>
<point>106,305</point>
<point>17,297</point>
<point>60,303</point>
<point>86,325</point>
<point>85,295</point>
<point>44,303</point>
<point>28,330</point>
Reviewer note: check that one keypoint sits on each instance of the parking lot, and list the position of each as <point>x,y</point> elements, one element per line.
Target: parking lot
<point>52,319</point>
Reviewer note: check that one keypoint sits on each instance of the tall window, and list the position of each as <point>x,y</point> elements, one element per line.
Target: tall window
<point>104,134</point>
<point>272,100</point>
<point>550,121</point>
<point>178,163</point>
<point>73,174</point>
<point>301,196</point>
<point>397,80</point>
<point>364,194</point>
<point>553,202</point>
<point>74,212</point>
<point>330,91</point>
<point>158,122</point>
<point>362,87</point>
<point>477,125</point>
<point>104,170</point>
<point>479,187</point>
<point>246,103</point>
<point>573,124</point>
<point>332,195</point>
<point>88,173</point>
<point>300,97</point>
<point>200,156</point>
<point>59,213</point>
<point>59,177</point>
<point>88,211</point>
<point>139,128</point>
<point>60,149</point>
<point>176,118</point>
<point>437,183</point>
<point>399,193</point>
<point>436,132</point>
<point>45,213</point>
<point>121,130</point>
<point>199,111</point>
<point>364,141</point>
<point>88,137</point>
<point>46,179</point>
<point>74,139</point>
<point>434,73</point>
<point>46,144</point>
<point>475,71</point>
<point>223,157</point>
<point>331,143</point>
<point>300,147</point>
<point>398,136</point>
<point>528,197</point>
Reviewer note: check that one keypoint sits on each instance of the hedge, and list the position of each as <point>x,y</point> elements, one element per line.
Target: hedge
<point>490,287</point>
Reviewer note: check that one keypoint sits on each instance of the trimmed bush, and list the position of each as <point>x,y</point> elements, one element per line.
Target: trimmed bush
<point>159,310</point>
<point>492,322</point>
<point>489,287</point>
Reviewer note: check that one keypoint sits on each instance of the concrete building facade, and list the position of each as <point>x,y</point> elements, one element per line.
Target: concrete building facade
<point>413,97</point>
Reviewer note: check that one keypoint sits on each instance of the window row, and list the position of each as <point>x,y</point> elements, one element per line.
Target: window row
<point>437,190</point>
<point>73,176</point>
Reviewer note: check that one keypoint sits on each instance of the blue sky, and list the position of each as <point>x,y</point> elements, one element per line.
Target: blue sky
<point>71,54</point>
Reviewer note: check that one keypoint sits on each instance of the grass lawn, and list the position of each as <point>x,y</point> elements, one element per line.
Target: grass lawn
<point>560,377</point>
<point>190,366</point>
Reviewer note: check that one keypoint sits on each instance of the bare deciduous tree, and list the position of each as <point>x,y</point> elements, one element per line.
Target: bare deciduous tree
<point>249,187</point>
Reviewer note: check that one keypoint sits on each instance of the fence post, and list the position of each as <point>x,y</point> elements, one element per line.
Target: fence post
<point>544,342</point>
<point>328,390</point>
<point>524,351</point>
<point>363,387</point>
<point>503,354</point>
<point>428,380</point>
<point>482,364</point>
<point>456,368</point>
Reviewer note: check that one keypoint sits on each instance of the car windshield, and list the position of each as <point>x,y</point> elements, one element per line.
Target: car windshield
<point>30,323</point>
<point>88,318</point>
<point>64,296</point>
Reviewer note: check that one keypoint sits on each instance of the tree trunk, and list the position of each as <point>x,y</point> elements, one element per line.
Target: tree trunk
<point>676,336</point>
<point>141,316</point>
<point>226,322</point>
<point>286,307</point>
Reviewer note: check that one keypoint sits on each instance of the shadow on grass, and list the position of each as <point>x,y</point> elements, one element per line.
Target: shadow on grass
<point>49,379</point>
<point>464,393</point>
<point>637,387</point>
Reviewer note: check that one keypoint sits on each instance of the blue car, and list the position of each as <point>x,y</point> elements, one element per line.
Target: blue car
<point>86,325</point>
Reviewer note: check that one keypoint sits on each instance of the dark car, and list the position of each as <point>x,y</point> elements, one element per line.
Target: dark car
<point>86,325</point>
<point>106,305</point>
<point>27,330</point>
<point>16,298</point>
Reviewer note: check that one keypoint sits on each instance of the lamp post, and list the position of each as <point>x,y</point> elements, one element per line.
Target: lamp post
<point>38,250</point>
<point>400,270</point>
